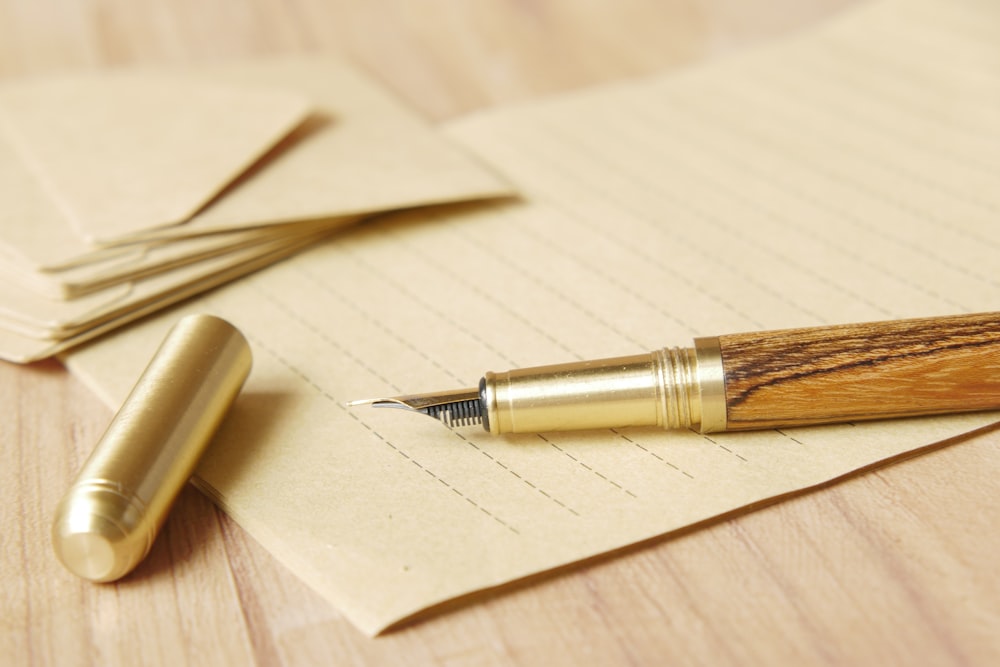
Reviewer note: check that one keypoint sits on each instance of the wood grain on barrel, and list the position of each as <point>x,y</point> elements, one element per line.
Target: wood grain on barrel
<point>862,371</point>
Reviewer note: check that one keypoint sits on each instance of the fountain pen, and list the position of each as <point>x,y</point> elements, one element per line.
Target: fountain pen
<point>770,379</point>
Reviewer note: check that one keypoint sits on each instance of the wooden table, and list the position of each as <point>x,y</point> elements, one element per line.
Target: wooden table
<point>897,565</point>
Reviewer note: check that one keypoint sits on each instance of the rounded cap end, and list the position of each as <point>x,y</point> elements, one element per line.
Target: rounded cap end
<point>88,555</point>
<point>92,544</point>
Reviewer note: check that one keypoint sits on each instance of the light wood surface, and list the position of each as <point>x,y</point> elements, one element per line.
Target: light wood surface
<point>893,566</point>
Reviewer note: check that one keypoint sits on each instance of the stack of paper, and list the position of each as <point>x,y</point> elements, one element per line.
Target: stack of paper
<point>125,192</point>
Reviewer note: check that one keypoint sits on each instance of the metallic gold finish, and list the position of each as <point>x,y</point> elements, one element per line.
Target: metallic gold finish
<point>621,391</point>
<point>662,388</point>
<point>679,394</point>
<point>673,388</point>
<point>105,524</point>
<point>712,382</point>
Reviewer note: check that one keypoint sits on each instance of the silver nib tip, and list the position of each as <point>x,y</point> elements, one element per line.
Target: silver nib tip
<point>362,401</point>
<point>460,407</point>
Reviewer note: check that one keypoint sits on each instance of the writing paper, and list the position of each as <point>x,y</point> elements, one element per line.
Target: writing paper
<point>844,176</point>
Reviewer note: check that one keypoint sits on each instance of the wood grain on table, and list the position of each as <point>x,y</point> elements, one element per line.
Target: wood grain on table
<point>893,566</point>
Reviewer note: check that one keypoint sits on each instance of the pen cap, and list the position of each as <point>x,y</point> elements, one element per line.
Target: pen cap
<point>106,522</point>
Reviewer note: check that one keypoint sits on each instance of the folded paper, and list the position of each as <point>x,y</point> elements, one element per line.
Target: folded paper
<point>129,151</point>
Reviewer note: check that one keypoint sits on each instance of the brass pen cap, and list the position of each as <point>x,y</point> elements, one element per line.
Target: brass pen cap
<point>107,520</point>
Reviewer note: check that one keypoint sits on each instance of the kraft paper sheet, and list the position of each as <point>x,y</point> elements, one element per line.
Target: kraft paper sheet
<point>357,153</point>
<point>845,176</point>
<point>140,149</point>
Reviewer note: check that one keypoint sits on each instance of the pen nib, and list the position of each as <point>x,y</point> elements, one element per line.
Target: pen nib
<point>460,407</point>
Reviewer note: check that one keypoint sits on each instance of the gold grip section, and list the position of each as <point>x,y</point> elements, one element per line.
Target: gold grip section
<point>712,383</point>
<point>105,524</point>
<point>862,371</point>
<point>661,388</point>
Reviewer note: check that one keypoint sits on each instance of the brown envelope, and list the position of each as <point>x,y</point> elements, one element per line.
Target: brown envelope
<point>122,153</point>
<point>359,153</point>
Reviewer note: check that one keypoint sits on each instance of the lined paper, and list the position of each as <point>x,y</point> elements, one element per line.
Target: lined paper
<point>841,177</point>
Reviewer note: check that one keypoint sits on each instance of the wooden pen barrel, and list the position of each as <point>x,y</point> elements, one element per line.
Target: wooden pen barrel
<point>862,371</point>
